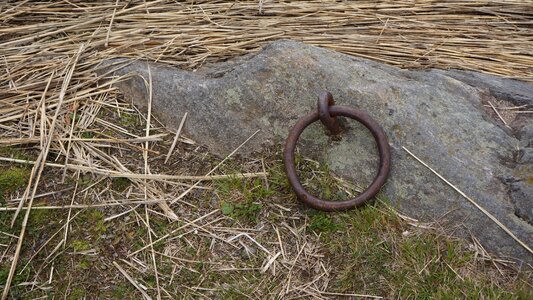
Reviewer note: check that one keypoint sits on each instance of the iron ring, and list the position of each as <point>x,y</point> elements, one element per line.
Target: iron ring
<point>375,186</point>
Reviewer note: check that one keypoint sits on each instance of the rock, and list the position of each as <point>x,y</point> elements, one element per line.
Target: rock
<point>518,92</point>
<point>438,115</point>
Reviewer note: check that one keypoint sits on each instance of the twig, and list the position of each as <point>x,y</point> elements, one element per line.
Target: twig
<point>120,214</point>
<point>172,232</point>
<point>44,155</point>
<point>70,209</point>
<point>163,205</point>
<point>81,206</point>
<point>350,295</point>
<point>215,168</point>
<point>488,214</point>
<point>292,267</point>
<point>69,141</point>
<point>106,44</point>
<point>176,137</point>
<point>132,281</point>
<point>112,173</point>
<point>383,29</point>
<point>251,239</point>
<point>270,262</point>
<point>498,113</point>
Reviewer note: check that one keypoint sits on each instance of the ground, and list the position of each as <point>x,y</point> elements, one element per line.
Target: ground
<point>239,238</point>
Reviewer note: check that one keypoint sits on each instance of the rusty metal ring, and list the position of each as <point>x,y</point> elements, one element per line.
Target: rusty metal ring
<point>325,100</point>
<point>375,186</point>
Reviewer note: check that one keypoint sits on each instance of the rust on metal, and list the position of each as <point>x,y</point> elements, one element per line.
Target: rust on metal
<point>325,100</point>
<point>330,112</point>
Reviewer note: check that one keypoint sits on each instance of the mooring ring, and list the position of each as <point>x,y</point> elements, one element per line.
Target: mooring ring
<point>375,186</point>
<point>325,100</point>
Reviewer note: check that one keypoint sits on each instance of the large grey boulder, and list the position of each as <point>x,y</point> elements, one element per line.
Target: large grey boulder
<point>438,115</point>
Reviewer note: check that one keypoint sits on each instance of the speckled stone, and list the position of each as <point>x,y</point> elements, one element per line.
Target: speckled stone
<point>438,115</point>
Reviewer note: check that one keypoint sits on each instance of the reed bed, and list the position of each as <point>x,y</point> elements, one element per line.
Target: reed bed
<point>52,102</point>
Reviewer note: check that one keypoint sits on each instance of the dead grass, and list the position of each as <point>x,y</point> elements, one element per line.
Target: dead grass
<point>239,237</point>
<point>266,246</point>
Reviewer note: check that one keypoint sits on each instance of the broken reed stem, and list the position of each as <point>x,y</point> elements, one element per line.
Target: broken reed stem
<point>132,281</point>
<point>215,168</point>
<point>69,141</point>
<point>176,137</point>
<point>106,44</point>
<point>350,295</point>
<point>498,114</point>
<point>40,166</point>
<point>43,141</point>
<point>83,206</point>
<point>70,209</point>
<point>31,140</point>
<point>164,206</point>
<point>159,177</point>
<point>484,211</point>
<point>172,232</point>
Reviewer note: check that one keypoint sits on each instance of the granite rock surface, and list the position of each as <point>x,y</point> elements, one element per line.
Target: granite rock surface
<point>441,116</point>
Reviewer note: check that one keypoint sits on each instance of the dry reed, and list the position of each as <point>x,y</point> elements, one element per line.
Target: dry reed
<point>47,104</point>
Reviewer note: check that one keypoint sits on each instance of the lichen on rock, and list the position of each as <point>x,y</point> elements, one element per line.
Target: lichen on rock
<point>439,115</point>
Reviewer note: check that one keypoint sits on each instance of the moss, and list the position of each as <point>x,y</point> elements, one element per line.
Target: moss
<point>13,179</point>
<point>80,245</point>
<point>322,222</point>
<point>84,264</point>
<point>277,179</point>
<point>120,292</point>
<point>129,119</point>
<point>74,117</point>
<point>40,217</point>
<point>120,184</point>
<point>87,134</point>
<point>77,293</point>
<point>96,219</point>
<point>369,250</point>
<point>88,229</point>
<point>318,180</point>
<point>233,293</point>
<point>246,211</point>
<point>376,252</point>
<point>241,198</point>
<point>85,180</point>
<point>15,152</point>
<point>17,278</point>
